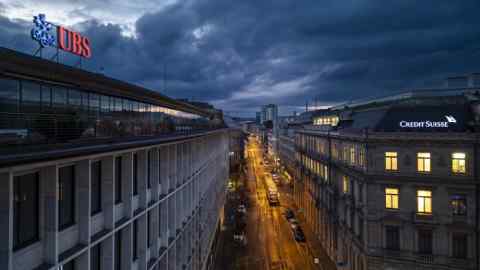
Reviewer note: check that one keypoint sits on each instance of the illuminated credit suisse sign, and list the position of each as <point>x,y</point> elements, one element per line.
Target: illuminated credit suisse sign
<point>429,124</point>
<point>65,39</point>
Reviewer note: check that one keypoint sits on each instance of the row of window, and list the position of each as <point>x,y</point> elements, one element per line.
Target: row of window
<point>326,120</point>
<point>315,166</point>
<point>34,114</point>
<point>458,202</point>
<point>355,155</point>
<point>316,144</point>
<point>425,241</point>
<point>424,164</point>
<point>96,253</point>
<point>28,96</point>
<point>26,197</point>
<point>352,154</point>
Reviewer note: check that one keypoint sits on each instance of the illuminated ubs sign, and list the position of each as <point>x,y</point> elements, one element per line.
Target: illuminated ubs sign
<point>66,40</point>
<point>429,124</point>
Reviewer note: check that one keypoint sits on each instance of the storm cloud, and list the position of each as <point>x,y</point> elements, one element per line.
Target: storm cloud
<point>242,54</point>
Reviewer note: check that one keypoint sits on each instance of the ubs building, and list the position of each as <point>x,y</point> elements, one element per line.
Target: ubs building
<point>96,173</point>
<point>393,183</point>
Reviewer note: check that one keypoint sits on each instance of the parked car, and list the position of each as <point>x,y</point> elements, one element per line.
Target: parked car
<point>342,266</point>
<point>298,234</point>
<point>289,214</point>
<point>239,237</point>
<point>293,223</point>
<point>242,209</point>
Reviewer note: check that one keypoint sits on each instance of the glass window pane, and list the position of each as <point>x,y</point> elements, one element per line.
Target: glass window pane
<point>135,240</point>
<point>105,103</point>
<point>424,193</point>
<point>94,103</point>
<point>59,97</point>
<point>25,210</point>
<point>96,191</point>
<point>95,257</point>
<point>420,165</point>
<point>66,196</point>
<point>46,97</point>
<point>118,250</point>
<point>428,205</point>
<point>69,266</point>
<point>118,179</point>
<point>9,95</point>
<point>424,155</point>
<point>74,98</point>
<point>31,94</point>
<point>420,206</point>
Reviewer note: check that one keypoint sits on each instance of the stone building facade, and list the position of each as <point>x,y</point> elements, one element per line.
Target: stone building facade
<point>380,197</point>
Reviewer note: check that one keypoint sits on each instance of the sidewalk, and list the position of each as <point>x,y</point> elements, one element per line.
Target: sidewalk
<point>315,247</point>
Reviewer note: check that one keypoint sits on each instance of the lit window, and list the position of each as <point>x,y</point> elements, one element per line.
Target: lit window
<point>335,121</point>
<point>352,155</point>
<point>345,184</point>
<point>424,201</point>
<point>459,205</point>
<point>345,153</point>
<point>361,158</point>
<point>458,163</point>
<point>391,161</point>
<point>423,162</point>
<point>391,198</point>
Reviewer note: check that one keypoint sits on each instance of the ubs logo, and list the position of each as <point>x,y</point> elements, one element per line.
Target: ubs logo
<point>67,40</point>
<point>41,31</point>
<point>73,42</point>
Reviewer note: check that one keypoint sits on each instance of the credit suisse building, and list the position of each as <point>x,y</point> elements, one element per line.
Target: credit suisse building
<point>393,183</point>
<point>96,173</point>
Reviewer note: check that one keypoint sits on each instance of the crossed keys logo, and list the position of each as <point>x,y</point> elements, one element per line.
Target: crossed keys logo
<point>450,119</point>
<point>41,32</point>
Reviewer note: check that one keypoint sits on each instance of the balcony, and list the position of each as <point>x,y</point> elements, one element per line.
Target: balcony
<point>425,258</point>
<point>424,218</point>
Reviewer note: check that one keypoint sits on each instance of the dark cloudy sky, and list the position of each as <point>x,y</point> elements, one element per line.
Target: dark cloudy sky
<point>245,53</point>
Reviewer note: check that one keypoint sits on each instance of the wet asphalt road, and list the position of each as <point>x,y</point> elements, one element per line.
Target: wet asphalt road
<point>270,245</point>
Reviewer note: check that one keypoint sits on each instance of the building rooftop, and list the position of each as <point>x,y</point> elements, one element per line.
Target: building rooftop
<point>13,63</point>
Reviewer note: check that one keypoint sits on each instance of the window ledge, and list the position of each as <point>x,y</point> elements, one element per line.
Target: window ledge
<point>423,217</point>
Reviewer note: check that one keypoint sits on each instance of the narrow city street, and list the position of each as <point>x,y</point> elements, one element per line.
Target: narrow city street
<point>270,240</point>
